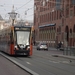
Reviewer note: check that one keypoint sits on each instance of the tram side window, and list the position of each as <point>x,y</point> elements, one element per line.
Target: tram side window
<point>8,38</point>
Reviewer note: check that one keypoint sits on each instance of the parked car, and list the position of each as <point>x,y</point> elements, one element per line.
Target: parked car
<point>42,46</point>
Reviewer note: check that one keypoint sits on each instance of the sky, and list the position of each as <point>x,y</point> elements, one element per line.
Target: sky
<point>24,8</point>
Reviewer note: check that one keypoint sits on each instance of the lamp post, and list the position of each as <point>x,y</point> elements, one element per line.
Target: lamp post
<point>12,15</point>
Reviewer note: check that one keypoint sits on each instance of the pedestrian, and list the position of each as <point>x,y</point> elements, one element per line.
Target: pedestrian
<point>34,43</point>
<point>59,45</point>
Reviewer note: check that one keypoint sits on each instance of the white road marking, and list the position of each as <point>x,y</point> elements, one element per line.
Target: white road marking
<point>59,61</point>
<point>28,63</point>
<point>54,61</point>
<point>65,62</point>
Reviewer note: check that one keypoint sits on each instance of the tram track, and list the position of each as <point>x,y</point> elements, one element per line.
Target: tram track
<point>45,64</point>
<point>48,66</point>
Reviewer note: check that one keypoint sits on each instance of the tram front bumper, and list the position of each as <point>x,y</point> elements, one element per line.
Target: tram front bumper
<point>22,52</point>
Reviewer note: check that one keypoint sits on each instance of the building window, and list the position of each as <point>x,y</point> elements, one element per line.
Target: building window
<point>67,13</point>
<point>74,29</point>
<point>59,29</point>
<point>70,32</point>
<point>71,13</point>
<point>74,10</point>
<point>58,4</point>
<point>73,1</point>
<point>50,16</point>
<point>57,14</point>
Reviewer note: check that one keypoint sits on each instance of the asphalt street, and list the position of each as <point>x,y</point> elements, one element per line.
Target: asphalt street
<point>51,62</point>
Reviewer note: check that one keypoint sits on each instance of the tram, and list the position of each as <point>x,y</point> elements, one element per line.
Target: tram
<point>16,40</point>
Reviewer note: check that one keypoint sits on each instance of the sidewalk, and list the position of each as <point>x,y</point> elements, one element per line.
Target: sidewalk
<point>60,53</point>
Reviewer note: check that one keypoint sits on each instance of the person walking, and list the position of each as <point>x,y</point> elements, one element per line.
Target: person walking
<point>59,45</point>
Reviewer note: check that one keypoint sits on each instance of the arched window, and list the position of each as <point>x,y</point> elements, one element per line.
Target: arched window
<point>67,33</point>
<point>74,28</point>
<point>71,31</point>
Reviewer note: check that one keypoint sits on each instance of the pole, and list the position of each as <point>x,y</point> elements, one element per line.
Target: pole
<point>12,22</point>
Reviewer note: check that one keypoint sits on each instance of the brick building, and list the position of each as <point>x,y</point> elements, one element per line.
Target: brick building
<point>54,21</point>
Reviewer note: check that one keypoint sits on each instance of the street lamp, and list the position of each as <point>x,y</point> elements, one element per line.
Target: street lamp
<point>12,15</point>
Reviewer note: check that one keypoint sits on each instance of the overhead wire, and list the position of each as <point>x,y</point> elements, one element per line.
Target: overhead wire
<point>30,15</point>
<point>23,5</point>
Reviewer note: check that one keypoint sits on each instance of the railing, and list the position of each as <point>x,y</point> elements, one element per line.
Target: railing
<point>69,51</point>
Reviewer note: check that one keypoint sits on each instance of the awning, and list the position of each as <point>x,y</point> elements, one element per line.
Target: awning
<point>47,25</point>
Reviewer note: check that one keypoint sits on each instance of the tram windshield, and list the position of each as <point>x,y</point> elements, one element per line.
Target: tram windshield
<point>23,37</point>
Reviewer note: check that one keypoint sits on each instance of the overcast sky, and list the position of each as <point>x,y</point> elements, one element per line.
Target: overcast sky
<point>20,7</point>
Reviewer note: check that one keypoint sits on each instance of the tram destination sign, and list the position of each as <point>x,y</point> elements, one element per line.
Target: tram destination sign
<point>20,28</point>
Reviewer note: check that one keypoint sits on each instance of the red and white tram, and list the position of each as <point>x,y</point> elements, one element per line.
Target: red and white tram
<point>16,40</point>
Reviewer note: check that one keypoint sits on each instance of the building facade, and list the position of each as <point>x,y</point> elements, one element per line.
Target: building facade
<point>1,22</point>
<point>54,22</point>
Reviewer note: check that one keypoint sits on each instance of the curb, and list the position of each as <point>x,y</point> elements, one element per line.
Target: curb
<point>64,56</point>
<point>20,65</point>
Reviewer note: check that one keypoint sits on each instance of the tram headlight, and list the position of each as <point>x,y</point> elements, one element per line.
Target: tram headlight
<point>28,47</point>
<point>16,48</point>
